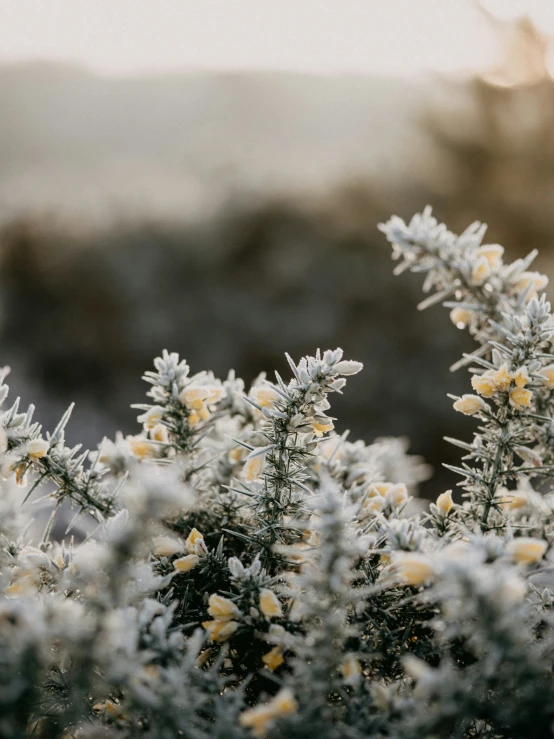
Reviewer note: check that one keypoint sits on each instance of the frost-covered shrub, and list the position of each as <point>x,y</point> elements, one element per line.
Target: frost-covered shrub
<point>238,569</point>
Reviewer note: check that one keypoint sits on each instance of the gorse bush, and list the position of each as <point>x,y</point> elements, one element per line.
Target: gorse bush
<point>239,569</point>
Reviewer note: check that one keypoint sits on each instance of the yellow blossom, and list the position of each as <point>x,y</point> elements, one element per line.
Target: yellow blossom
<point>460,317</point>
<point>186,563</point>
<point>193,419</point>
<point>264,396</point>
<point>351,669</point>
<point>548,374</point>
<point>22,586</point>
<point>254,467</point>
<point>521,376</point>
<point>527,549</point>
<point>484,385</point>
<point>274,658</point>
<point>269,604</point>
<point>514,501</point>
<point>379,488</point>
<point>20,470</point>
<point>520,398</point>
<point>141,447</point>
<point>445,503</point>
<point>191,540</point>
<point>220,631</point>
<point>374,504</point>
<point>397,495</point>
<point>481,271</point>
<point>534,279</point>
<point>414,568</point>
<point>321,427</point>
<point>502,378</point>
<point>260,718</point>
<point>167,546</point>
<point>492,253</point>
<point>152,416</point>
<point>37,448</point>
<point>469,404</point>
<point>222,608</point>
<point>236,455</point>
<point>194,396</point>
<point>159,433</point>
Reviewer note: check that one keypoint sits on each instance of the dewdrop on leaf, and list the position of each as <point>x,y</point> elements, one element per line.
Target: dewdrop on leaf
<point>470,404</point>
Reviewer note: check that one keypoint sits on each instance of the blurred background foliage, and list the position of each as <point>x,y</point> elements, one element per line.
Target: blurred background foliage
<point>234,217</point>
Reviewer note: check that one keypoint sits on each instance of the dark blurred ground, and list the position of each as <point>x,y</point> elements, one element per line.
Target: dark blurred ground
<point>233,219</point>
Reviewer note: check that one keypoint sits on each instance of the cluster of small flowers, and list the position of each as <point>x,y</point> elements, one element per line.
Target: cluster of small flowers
<point>253,573</point>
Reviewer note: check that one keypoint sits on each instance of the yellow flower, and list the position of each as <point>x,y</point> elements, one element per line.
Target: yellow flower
<point>520,398</point>
<point>548,374</point>
<point>152,416</point>
<point>321,427</point>
<point>527,549</point>
<point>167,546</point>
<point>191,540</point>
<point>264,396</point>
<point>397,495</point>
<point>194,396</point>
<point>159,433</point>
<point>379,488</point>
<point>374,504</point>
<point>484,385</point>
<point>269,604</point>
<point>186,563</point>
<point>521,376</point>
<point>254,467</point>
<point>414,568</point>
<point>535,279</point>
<point>514,501</point>
<point>23,585</point>
<point>220,631</point>
<point>445,503</point>
<point>469,404</point>
<point>141,447</point>
<point>222,608</point>
<point>193,419</point>
<point>502,379</point>
<point>37,448</point>
<point>460,317</point>
<point>492,253</point>
<point>351,669</point>
<point>481,271</point>
<point>260,718</point>
<point>236,455</point>
<point>274,658</point>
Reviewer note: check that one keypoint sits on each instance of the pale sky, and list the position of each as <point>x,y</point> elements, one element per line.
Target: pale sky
<point>322,36</point>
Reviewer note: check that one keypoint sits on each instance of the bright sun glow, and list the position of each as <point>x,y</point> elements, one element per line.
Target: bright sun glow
<point>322,36</point>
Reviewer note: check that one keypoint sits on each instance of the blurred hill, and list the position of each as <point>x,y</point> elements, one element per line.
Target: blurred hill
<point>174,146</point>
